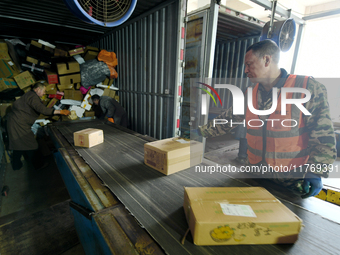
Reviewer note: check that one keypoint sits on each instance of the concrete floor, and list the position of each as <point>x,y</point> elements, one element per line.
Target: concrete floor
<point>31,191</point>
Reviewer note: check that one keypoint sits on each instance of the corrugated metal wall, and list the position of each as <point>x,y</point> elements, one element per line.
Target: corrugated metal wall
<point>229,67</point>
<point>146,50</point>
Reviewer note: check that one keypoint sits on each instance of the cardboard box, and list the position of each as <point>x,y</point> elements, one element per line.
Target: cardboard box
<point>117,98</point>
<point>88,137</point>
<point>8,69</point>
<point>86,104</point>
<point>90,53</point>
<point>25,79</point>
<point>37,62</point>
<point>107,82</point>
<point>42,46</point>
<point>4,55</point>
<point>51,89</point>
<point>65,87</point>
<point>76,51</point>
<point>89,114</point>
<point>51,77</point>
<point>77,85</point>
<point>69,73</point>
<point>109,93</point>
<point>60,53</point>
<point>236,216</point>
<point>171,155</point>
<point>3,45</point>
<point>7,83</point>
<point>73,94</point>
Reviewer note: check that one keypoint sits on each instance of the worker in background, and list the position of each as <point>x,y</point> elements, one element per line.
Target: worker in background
<point>25,111</point>
<point>306,150</point>
<point>112,109</point>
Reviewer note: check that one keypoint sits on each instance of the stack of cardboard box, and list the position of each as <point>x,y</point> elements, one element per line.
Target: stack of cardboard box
<point>57,68</point>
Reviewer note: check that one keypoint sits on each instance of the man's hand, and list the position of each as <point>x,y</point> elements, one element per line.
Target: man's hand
<point>193,134</point>
<point>65,112</point>
<point>111,120</point>
<point>312,185</point>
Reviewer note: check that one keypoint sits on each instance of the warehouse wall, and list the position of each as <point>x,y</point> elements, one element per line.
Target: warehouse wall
<point>229,67</point>
<point>146,50</point>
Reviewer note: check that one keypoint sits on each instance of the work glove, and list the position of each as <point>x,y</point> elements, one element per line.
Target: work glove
<point>312,185</point>
<point>65,112</point>
<point>193,134</point>
<point>111,120</point>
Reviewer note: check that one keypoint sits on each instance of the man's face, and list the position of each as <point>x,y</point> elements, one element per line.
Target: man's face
<point>255,67</point>
<point>96,101</point>
<point>40,91</point>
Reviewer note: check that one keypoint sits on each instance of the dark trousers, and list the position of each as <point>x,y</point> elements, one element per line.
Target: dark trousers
<point>33,157</point>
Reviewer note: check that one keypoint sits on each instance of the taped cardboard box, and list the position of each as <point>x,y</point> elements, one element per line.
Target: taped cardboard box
<point>90,53</point>
<point>48,50</point>
<point>69,73</point>
<point>25,79</point>
<point>109,93</point>
<point>37,62</point>
<point>171,155</point>
<point>8,69</point>
<point>60,53</point>
<point>238,215</point>
<point>73,94</point>
<point>88,137</point>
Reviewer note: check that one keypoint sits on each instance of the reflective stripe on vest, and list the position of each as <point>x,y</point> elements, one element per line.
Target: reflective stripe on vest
<point>285,145</point>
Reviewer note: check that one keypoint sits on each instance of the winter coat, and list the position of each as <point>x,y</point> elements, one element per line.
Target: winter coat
<point>111,108</point>
<point>25,112</point>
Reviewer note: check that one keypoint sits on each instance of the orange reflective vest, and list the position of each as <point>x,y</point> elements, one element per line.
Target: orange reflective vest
<point>283,142</point>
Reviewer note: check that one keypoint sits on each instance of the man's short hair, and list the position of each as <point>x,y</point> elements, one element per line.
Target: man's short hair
<point>266,47</point>
<point>95,97</point>
<point>38,85</point>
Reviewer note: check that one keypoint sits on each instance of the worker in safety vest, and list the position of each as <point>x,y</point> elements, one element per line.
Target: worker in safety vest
<point>294,149</point>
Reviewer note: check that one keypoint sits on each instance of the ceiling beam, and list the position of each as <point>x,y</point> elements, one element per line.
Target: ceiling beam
<point>322,14</point>
<point>279,10</point>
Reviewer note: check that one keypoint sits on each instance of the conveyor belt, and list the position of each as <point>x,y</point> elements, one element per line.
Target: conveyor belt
<point>157,200</point>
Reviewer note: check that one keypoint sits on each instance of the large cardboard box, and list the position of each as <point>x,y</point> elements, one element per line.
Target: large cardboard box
<point>69,73</point>
<point>171,155</point>
<point>73,94</point>
<point>88,137</point>
<point>236,216</point>
<point>8,69</point>
<point>25,79</point>
<point>6,83</point>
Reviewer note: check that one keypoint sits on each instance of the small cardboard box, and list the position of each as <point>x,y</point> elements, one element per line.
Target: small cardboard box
<point>88,137</point>
<point>172,155</point>
<point>51,89</point>
<point>25,79</point>
<point>76,51</point>
<point>52,77</point>
<point>117,98</point>
<point>86,104</point>
<point>90,53</point>
<point>73,94</point>
<point>236,216</point>
<point>42,46</point>
<point>8,69</point>
<point>60,53</point>
<point>108,82</point>
<point>65,87</point>
<point>89,114</point>
<point>109,93</point>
